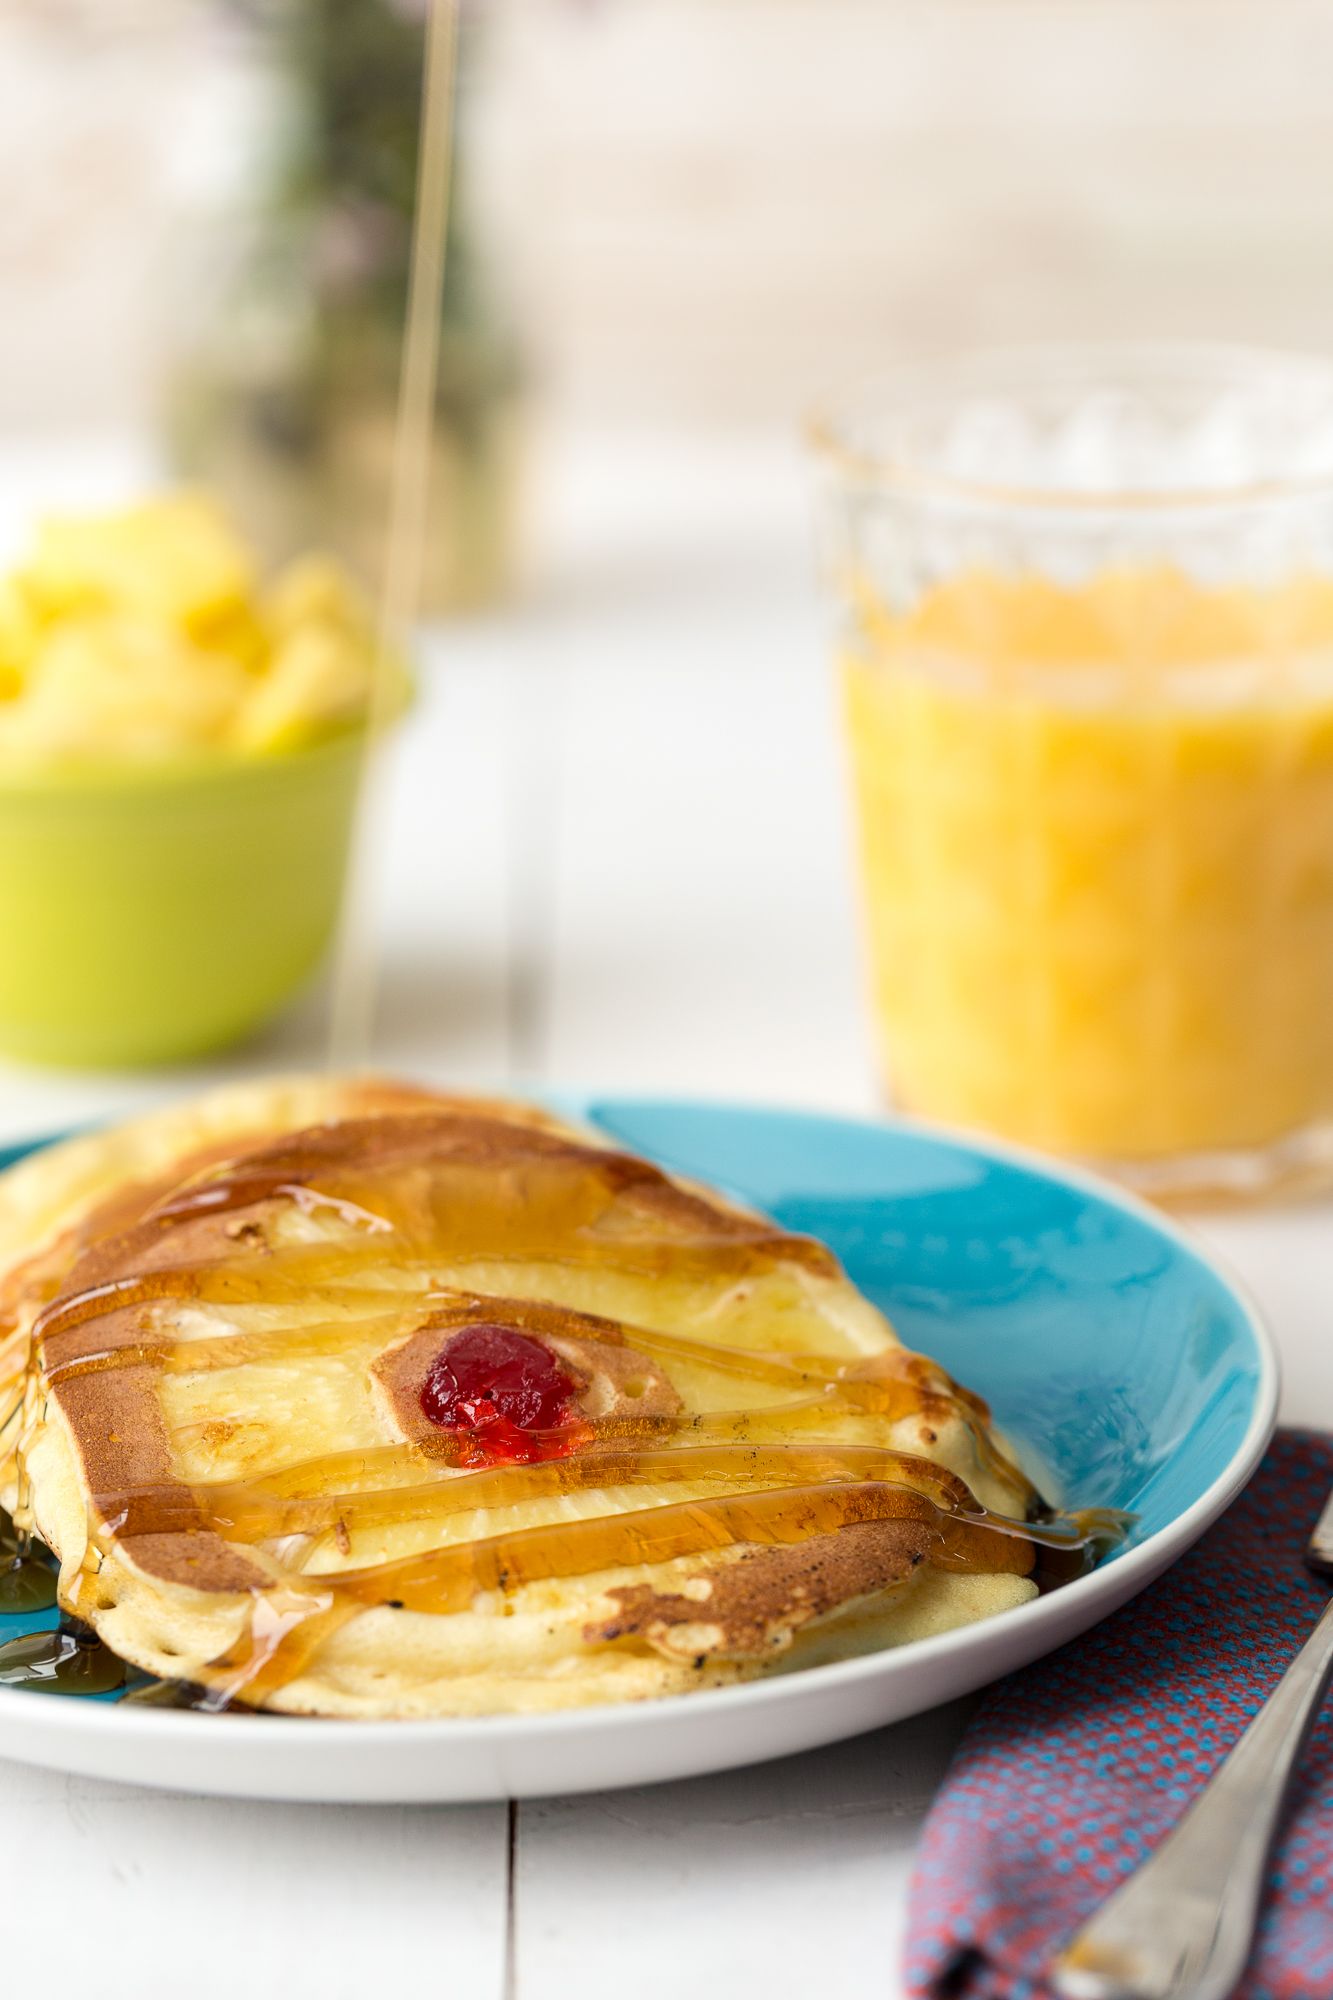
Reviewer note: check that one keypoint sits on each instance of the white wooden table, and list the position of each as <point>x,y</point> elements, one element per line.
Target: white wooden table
<point>616,857</point>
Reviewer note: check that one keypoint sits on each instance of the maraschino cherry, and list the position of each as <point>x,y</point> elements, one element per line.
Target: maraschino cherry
<point>505,1397</point>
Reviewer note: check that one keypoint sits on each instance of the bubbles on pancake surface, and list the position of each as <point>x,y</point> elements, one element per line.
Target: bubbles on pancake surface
<point>504,1395</point>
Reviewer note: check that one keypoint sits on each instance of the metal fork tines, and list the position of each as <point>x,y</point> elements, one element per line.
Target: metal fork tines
<point>1182,1926</point>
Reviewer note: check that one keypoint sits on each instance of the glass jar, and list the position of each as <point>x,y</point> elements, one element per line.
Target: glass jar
<point>1087,666</point>
<point>281,389</point>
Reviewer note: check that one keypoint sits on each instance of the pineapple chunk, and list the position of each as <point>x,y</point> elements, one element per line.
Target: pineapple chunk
<point>314,590</point>
<point>20,636</point>
<point>177,559</point>
<point>108,679</point>
<point>316,679</point>
<point>142,634</point>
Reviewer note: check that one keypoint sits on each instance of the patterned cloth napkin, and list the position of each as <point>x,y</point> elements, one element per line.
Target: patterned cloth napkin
<point>1071,1771</point>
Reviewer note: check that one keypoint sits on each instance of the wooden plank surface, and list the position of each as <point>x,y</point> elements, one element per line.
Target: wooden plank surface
<point>214,1898</point>
<point>784,1880</point>
<point>615,855</point>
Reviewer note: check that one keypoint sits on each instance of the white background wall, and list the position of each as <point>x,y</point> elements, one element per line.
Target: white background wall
<point>711,208</point>
<point>732,202</point>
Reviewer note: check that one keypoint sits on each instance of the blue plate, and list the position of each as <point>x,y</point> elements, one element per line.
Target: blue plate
<point>1126,1370</point>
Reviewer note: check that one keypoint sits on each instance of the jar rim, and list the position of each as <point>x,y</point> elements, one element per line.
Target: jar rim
<point>854,440</point>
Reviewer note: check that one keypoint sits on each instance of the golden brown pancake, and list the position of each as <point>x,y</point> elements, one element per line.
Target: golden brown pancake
<point>353,1399</point>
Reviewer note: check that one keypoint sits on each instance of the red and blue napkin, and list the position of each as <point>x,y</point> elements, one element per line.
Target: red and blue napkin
<point>1071,1771</point>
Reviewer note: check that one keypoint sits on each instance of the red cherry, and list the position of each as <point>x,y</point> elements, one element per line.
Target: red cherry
<point>505,1395</point>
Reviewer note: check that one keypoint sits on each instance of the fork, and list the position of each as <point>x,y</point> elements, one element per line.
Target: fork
<point>1182,1926</point>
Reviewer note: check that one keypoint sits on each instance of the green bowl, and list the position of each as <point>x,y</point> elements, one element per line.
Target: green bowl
<point>152,916</point>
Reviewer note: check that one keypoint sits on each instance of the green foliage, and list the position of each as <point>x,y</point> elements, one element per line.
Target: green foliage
<point>345,173</point>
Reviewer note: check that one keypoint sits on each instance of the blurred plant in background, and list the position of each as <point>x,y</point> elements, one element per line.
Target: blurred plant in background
<point>282,393</point>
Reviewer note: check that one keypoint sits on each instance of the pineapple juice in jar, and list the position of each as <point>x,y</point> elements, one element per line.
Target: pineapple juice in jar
<point>1088,688</point>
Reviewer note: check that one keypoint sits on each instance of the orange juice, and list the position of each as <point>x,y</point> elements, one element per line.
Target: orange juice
<point>1096,827</point>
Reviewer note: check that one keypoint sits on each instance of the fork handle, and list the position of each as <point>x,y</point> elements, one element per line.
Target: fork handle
<point>1182,1926</point>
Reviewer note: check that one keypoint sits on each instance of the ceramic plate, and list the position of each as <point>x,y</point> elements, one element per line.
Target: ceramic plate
<point>1129,1372</point>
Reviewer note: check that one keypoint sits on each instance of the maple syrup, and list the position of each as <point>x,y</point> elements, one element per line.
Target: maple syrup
<point>70,1659</point>
<point>27,1572</point>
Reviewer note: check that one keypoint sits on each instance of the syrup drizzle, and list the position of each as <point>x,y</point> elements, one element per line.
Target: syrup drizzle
<point>406,1199</point>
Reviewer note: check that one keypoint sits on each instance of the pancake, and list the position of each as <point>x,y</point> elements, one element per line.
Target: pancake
<point>348,1398</point>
